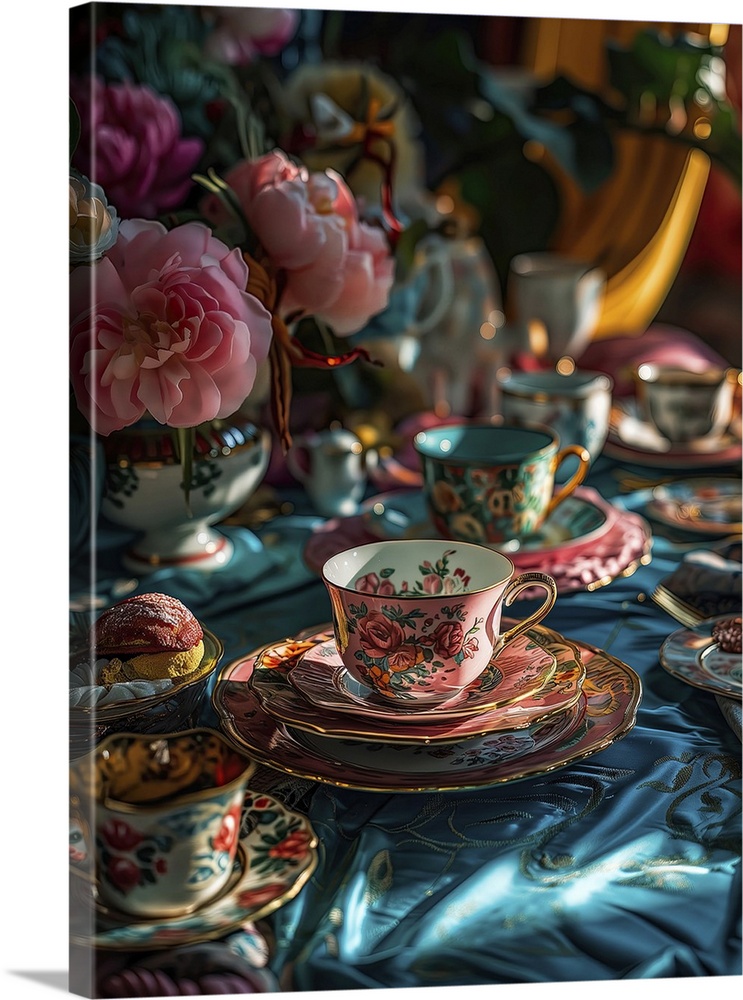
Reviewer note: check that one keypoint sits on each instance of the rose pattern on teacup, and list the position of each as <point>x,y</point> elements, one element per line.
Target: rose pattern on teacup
<point>395,653</point>
<point>419,619</point>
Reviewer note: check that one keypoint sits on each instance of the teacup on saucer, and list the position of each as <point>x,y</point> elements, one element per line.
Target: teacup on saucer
<point>418,620</point>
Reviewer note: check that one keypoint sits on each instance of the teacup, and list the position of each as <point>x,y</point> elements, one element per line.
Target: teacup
<point>420,619</point>
<point>494,484</point>
<point>576,405</point>
<point>685,405</point>
<point>161,816</point>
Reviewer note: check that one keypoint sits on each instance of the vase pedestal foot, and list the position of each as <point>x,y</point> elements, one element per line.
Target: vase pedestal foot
<point>203,549</point>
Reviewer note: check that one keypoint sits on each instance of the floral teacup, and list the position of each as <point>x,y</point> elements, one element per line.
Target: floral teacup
<point>162,816</point>
<point>420,619</point>
<point>494,484</point>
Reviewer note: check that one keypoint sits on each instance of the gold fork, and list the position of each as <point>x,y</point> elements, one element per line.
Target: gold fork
<point>676,607</point>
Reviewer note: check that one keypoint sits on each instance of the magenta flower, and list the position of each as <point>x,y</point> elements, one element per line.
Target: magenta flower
<point>163,324</point>
<point>131,145</point>
<point>338,268</point>
<point>242,34</point>
<point>448,638</point>
<point>119,835</point>
<point>123,873</point>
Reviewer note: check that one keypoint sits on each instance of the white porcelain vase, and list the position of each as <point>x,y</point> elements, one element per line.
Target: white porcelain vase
<point>144,490</point>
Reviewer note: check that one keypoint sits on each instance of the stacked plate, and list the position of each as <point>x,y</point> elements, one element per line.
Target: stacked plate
<point>542,703</point>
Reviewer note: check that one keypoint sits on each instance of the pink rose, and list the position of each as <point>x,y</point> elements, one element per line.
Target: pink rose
<point>337,268</point>
<point>368,584</point>
<point>371,584</point>
<point>163,324</point>
<point>379,636</point>
<point>229,830</point>
<point>448,638</point>
<point>432,583</point>
<point>470,647</point>
<point>242,34</point>
<point>131,145</point>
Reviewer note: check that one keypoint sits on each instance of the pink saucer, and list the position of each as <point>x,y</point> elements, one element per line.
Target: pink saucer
<point>522,669</point>
<point>271,681</point>
<point>582,563</point>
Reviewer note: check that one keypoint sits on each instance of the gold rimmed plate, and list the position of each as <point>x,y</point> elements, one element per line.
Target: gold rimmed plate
<point>694,656</point>
<point>559,691</point>
<point>612,693</point>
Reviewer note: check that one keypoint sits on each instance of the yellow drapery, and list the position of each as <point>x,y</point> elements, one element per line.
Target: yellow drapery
<point>637,225</point>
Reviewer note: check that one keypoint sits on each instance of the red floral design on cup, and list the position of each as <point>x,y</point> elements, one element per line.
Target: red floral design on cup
<point>229,831</point>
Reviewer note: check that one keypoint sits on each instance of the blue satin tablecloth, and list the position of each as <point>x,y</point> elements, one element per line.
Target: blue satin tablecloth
<point>625,865</point>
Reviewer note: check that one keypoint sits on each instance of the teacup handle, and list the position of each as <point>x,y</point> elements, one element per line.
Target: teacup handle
<point>512,591</point>
<point>582,471</point>
<point>298,462</point>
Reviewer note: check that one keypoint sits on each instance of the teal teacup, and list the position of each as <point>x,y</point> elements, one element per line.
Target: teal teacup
<point>493,484</point>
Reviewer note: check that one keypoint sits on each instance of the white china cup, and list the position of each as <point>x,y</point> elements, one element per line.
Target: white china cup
<point>576,405</point>
<point>160,817</point>
<point>685,405</point>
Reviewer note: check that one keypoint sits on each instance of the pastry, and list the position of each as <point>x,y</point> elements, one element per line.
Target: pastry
<point>148,636</point>
<point>727,634</point>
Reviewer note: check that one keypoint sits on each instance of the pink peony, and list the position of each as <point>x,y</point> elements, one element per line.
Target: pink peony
<point>163,324</point>
<point>338,268</point>
<point>241,34</point>
<point>131,145</point>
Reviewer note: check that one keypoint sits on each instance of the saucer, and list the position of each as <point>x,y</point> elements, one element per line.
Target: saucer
<point>637,441</point>
<point>579,519</point>
<point>285,703</point>
<point>262,881</point>
<point>616,548</point>
<point>692,655</point>
<point>459,758</point>
<point>519,670</point>
<point>612,691</point>
<point>709,506</point>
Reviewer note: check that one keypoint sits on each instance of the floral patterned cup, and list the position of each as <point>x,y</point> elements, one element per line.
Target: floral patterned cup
<point>161,816</point>
<point>420,619</point>
<point>494,484</point>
